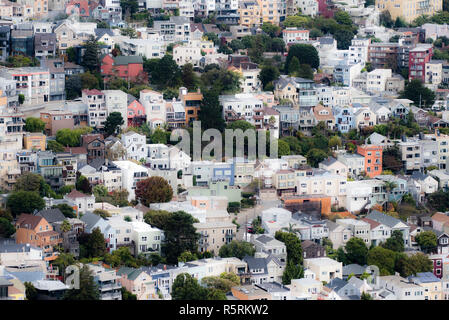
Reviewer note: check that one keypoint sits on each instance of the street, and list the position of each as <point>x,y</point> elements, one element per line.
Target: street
<point>247,215</point>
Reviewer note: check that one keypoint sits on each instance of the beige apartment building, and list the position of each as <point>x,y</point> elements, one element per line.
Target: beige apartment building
<point>409,9</point>
<point>214,235</point>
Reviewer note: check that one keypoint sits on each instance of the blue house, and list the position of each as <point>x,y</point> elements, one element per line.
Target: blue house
<point>344,118</point>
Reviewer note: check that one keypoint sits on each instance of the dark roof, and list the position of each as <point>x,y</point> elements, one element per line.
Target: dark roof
<point>125,60</point>
<point>329,161</point>
<point>326,40</point>
<point>383,218</point>
<point>336,284</point>
<point>102,31</point>
<point>264,238</point>
<point>353,268</point>
<point>417,175</point>
<point>51,215</point>
<point>131,99</point>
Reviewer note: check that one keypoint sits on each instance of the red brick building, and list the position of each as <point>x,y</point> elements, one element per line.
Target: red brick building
<point>125,67</point>
<point>418,57</point>
<point>373,159</point>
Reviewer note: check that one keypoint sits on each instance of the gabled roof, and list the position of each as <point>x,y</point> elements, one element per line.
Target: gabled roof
<point>376,138</point>
<point>353,268</point>
<point>28,221</point>
<point>76,194</point>
<point>90,219</point>
<point>373,224</point>
<point>51,215</point>
<point>384,218</point>
<point>102,31</point>
<point>336,284</point>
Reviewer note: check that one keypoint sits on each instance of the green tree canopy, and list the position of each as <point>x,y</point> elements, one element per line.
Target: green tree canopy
<point>427,240</point>
<point>395,242</point>
<point>416,91</point>
<point>113,123</point>
<point>238,249</point>
<point>24,202</point>
<point>383,258</point>
<point>306,54</point>
<point>88,288</point>
<point>356,251</point>
<point>34,125</point>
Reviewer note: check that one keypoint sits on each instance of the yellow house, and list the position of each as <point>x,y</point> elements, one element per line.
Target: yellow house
<point>34,141</point>
<point>249,12</point>
<point>432,285</point>
<point>409,9</point>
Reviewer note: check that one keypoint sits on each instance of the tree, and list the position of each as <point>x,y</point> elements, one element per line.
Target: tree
<point>293,66</point>
<point>24,202</point>
<point>236,45</point>
<point>34,125</point>
<point>30,181</point>
<point>6,228</point>
<point>189,79</point>
<point>293,143</point>
<point>21,98</point>
<point>283,148</point>
<point>342,17</point>
<point>54,146</point>
<point>268,74</point>
<point>416,91</point>
<point>315,33</point>
<point>113,123</point>
<point>356,251</point>
<point>366,296</point>
<point>222,283</point>
<point>126,295</point>
<point>89,81</point>
<point>335,141</point>
<point>159,136</point>
<point>187,256</point>
<point>30,291</point>
<point>65,226</point>
<point>385,19</point>
<point>83,185</point>
<point>102,213</point>
<point>293,268</point>
<point>71,138</point>
<point>129,7</point>
<point>186,287</point>
<point>91,59</point>
<point>395,242</point>
<point>211,111</point>
<point>277,45</point>
<point>408,266</point>
<point>238,249</point>
<point>163,72</point>
<point>427,240</point>
<point>153,190</point>
<point>344,38</point>
<point>306,54</point>
<point>180,235</point>
<point>71,54</point>
<point>292,271</point>
<point>88,289</point>
<point>305,71</point>
<point>315,156</point>
<point>96,244</point>
<point>296,21</point>
<point>73,86</point>
<point>271,29</point>
<point>383,258</point>
<point>66,210</point>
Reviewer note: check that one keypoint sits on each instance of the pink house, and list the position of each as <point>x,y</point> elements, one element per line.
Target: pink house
<point>136,112</point>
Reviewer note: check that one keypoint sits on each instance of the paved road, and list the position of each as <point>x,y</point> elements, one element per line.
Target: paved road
<point>247,215</point>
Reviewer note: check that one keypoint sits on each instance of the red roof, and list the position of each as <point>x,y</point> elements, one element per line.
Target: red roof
<point>28,221</point>
<point>76,150</point>
<point>372,223</point>
<point>76,194</point>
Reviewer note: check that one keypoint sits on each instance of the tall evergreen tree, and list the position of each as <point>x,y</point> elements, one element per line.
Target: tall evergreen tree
<point>91,60</point>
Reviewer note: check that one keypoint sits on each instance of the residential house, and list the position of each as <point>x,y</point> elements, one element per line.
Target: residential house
<point>94,221</point>
<point>38,232</point>
<point>325,268</point>
<point>84,202</point>
<point>392,223</point>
